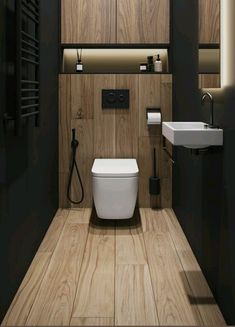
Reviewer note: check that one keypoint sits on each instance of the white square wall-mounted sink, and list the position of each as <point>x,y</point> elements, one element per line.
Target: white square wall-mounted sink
<point>194,135</point>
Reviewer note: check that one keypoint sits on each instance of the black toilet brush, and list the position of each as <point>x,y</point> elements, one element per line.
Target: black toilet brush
<point>154,181</point>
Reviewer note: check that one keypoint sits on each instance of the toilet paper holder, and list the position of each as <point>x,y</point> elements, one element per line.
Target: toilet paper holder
<point>152,110</point>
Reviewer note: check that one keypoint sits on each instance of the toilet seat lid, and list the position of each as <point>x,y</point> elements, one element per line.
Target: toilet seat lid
<point>115,168</point>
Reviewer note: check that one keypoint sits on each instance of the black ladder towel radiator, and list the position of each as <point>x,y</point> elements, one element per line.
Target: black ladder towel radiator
<point>27,63</point>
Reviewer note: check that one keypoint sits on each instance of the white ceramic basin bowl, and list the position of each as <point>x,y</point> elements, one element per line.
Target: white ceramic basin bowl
<point>194,135</point>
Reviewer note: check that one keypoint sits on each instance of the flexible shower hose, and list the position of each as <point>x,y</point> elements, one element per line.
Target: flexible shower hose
<point>74,146</point>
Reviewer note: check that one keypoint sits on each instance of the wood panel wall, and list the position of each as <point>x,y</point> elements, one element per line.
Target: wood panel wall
<point>114,133</point>
<point>92,21</point>
<point>115,21</point>
<point>209,21</point>
<point>146,21</point>
<point>208,81</point>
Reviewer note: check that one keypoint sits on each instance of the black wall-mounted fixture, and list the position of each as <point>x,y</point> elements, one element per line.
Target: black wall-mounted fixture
<point>115,99</point>
<point>27,63</point>
<point>154,181</point>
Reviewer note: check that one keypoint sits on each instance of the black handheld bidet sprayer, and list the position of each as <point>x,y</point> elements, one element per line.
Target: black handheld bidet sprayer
<point>74,146</point>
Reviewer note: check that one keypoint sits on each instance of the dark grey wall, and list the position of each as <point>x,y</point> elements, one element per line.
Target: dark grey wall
<point>203,186</point>
<point>28,164</point>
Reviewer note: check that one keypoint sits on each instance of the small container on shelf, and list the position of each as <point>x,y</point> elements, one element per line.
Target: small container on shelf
<point>79,64</point>
<point>143,67</point>
<point>158,64</point>
<point>150,64</point>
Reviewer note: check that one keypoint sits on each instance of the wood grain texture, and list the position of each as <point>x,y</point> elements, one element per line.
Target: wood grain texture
<point>84,158</point>
<point>95,295</point>
<point>209,21</point>
<point>92,21</point>
<point>166,191</point>
<point>63,183</point>
<point>130,248</point>
<point>54,302</point>
<point>145,163</point>
<point>54,231</point>
<point>143,21</point>
<point>149,96</point>
<point>64,122</point>
<point>79,216</point>
<point>134,300</point>
<point>127,119</point>
<point>166,287</point>
<point>82,96</point>
<point>92,322</point>
<point>104,120</point>
<point>153,221</point>
<point>117,133</point>
<point>170,285</point>
<point>209,81</point>
<point>201,294</point>
<point>64,136</point>
<point>27,292</point>
<point>166,164</point>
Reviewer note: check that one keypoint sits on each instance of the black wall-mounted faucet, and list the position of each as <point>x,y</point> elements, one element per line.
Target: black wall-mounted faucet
<point>209,96</point>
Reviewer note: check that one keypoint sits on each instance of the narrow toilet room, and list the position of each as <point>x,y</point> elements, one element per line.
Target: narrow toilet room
<point>117,162</point>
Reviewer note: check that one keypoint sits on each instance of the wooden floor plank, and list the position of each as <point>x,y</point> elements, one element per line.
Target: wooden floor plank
<point>85,273</point>
<point>134,300</point>
<point>153,220</point>
<point>95,296</point>
<point>27,292</point>
<point>92,322</point>
<point>80,215</point>
<point>201,293</point>
<point>53,233</point>
<point>54,302</point>
<point>169,282</point>
<point>130,248</point>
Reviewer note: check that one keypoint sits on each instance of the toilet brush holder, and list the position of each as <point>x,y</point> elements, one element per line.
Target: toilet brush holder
<point>154,181</point>
<point>154,185</point>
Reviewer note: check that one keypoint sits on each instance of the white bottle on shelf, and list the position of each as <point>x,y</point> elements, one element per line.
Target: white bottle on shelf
<point>158,64</point>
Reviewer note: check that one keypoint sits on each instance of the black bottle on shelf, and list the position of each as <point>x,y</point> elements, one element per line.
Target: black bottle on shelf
<point>150,64</point>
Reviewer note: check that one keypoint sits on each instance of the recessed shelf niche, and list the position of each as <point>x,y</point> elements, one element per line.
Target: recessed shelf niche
<point>125,61</point>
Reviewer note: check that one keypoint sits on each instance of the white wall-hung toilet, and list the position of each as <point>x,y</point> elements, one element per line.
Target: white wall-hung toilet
<point>115,187</point>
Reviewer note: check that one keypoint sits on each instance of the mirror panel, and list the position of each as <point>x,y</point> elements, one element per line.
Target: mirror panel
<point>209,21</point>
<point>209,43</point>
